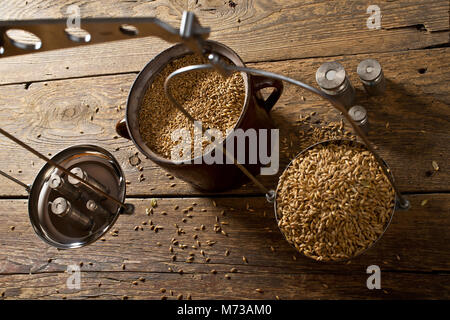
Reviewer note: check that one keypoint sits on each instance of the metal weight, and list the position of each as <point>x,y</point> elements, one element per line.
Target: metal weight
<point>94,207</point>
<point>359,115</point>
<point>66,189</point>
<point>63,209</point>
<point>372,77</point>
<point>332,79</point>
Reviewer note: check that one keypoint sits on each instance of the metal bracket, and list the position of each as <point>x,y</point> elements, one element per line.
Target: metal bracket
<point>54,34</point>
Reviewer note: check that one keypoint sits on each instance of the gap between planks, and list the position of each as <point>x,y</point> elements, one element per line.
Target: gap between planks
<point>257,272</point>
<point>218,195</point>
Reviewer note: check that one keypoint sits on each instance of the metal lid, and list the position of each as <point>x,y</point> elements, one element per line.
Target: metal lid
<point>369,69</point>
<point>330,75</point>
<point>47,209</point>
<point>357,113</point>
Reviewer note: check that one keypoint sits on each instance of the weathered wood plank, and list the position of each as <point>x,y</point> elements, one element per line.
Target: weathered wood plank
<point>44,9</point>
<point>416,240</point>
<point>117,285</point>
<point>396,13</point>
<point>257,30</point>
<point>415,106</point>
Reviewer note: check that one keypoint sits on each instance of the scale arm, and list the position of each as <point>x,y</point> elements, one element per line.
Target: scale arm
<point>55,34</point>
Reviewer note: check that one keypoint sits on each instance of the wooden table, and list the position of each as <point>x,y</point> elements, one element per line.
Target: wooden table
<point>47,99</point>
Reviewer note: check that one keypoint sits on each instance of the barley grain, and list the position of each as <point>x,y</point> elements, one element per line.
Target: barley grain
<point>214,100</point>
<point>334,201</point>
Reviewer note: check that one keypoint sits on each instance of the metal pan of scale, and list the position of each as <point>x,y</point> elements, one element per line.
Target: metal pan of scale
<point>68,215</point>
<point>362,249</point>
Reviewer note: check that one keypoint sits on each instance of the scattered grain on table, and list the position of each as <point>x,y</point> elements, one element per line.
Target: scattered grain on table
<point>435,165</point>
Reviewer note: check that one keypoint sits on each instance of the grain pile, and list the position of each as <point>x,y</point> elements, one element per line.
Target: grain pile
<point>205,94</point>
<point>334,201</point>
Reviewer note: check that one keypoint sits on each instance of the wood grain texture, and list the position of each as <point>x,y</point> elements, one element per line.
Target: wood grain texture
<point>117,285</point>
<point>250,234</point>
<point>256,30</point>
<point>54,115</point>
<point>413,255</point>
<point>53,100</point>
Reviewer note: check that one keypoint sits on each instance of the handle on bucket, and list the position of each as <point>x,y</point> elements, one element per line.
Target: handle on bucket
<point>260,83</point>
<point>121,129</point>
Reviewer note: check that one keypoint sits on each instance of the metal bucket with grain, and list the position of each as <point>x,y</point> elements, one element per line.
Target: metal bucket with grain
<point>254,114</point>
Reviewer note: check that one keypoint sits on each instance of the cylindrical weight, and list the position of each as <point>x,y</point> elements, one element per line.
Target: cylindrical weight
<point>372,77</point>
<point>96,208</point>
<point>359,115</point>
<point>56,182</point>
<point>62,208</point>
<point>84,176</point>
<point>332,79</point>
